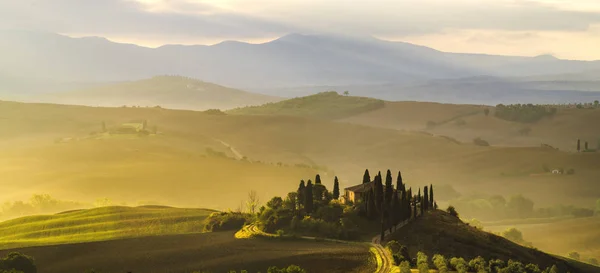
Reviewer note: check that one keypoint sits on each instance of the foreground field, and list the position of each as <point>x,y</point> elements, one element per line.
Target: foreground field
<point>212,252</point>
<point>100,224</point>
<point>581,235</point>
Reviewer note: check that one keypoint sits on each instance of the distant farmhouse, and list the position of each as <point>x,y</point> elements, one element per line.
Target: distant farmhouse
<point>355,193</point>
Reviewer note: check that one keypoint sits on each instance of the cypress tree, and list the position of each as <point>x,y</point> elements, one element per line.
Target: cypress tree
<point>336,188</point>
<point>366,177</point>
<point>308,198</point>
<point>586,146</point>
<point>425,203</point>
<point>399,182</point>
<point>301,192</point>
<point>579,145</point>
<point>378,189</point>
<point>389,188</point>
<point>414,214</point>
<point>431,201</point>
<point>371,209</point>
<point>318,180</point>
<point>396,213</point>
<point>419,196</point>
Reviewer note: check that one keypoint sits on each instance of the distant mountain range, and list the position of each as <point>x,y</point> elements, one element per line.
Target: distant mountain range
<point>304,63</point>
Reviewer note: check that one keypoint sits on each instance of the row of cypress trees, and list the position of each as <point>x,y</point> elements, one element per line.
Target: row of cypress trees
<point>311,196</point>
<point>394,205</point>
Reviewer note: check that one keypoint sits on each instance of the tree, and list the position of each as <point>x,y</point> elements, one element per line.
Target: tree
<point>301,192</point>
<point>336,188</point>
<point>253,202</point>
<point>17,262</point>
<point>579,145</point>
<point>574,255</point>
<point>366,177</point>
<point>596,103</point>
<point>586,147</point>
<point>486,111</point>
<point>346,93</point>
<point>389,188</point>
<point>431,202</point>
<point>425,203</point>
<point>395,208</point>
<point>318,180</point>
<point>370,205</point>
<point>422,262</point>
<point>400,183</point>
<point>452,211</point>
<point>308,198</point>
<point>378,190</point>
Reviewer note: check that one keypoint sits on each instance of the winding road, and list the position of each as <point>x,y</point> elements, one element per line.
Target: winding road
<point>387,261</point>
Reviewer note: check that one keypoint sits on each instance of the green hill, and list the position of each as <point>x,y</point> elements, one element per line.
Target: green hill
<point>438,232</point>
<point>100,224</point>
<point>166,91</point>
<point>326,105</point>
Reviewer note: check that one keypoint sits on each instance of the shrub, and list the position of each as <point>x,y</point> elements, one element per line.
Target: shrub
<point>593,261</point>
<point>16,261</point>
<point>405,267</point>
<point>459,265</point>
<point>480,142</point>
<point>220,221</point>
<point>532,268</point>
<point>494,266</point>
<point>440,263</point>
<point>513,267</point>
<point>289,269</point>
<point>478,264</point>
<point>574,255</point>
<point>452,211</point>
<point>422,262</point>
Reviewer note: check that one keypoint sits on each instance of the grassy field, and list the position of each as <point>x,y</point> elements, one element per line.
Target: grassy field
<point>130,170</point>
<point>100,224</point>
<point>581,235</point>
<point>466,122</point>
<point>212,252</point>
<point>327,105</point>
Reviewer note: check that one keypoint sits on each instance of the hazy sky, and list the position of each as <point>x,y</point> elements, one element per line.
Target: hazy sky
<point>565,28</point>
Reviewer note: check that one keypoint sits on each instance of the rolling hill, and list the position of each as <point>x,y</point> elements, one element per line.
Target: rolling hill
<point>291,148</point>
<point>165,91</point>
<point>326,105</point>
<point>578,234</point>
<point>438,232</point>
<point>100,224</point>
<point>208,252</point>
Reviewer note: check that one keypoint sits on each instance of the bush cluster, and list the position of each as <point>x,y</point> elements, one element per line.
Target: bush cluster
<point>221,221</point>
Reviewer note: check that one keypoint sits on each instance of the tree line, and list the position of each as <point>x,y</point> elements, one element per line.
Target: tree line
<point>526,113</point>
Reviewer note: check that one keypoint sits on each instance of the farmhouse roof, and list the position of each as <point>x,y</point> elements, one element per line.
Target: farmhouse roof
<point>361,188</point>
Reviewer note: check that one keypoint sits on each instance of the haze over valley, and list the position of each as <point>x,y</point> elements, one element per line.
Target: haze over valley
<point>300,136</point>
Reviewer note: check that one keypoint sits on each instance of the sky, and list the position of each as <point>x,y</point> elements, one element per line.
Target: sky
<point>568,29</point>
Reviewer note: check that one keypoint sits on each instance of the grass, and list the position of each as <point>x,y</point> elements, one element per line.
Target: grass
<point>100,224</point>
<point>208,252</point>
<point>128,170</point>
<point>327,105</point>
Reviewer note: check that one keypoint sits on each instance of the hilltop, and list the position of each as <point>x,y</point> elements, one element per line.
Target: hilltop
<point>438,232</point>
<point>466,122</point>
<point>100,224</point>
<point>165,91</point>
<point>326,105</point>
